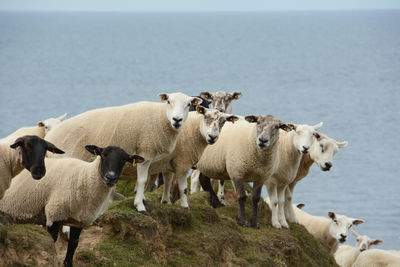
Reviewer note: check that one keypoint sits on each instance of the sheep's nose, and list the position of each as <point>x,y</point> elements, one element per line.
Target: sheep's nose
<point>211,139</point>
<point>38,172</point>
<point>328,165</point>
<point>305,149</point>
<point>177,119</point>
<point>263,141</point>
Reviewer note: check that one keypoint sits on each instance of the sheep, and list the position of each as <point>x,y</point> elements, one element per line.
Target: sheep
<point>197,133</point>
<point>292,145</point>
<point>42,128</point>
<point>223,102</point>
<point>345,256</point>
<point>73,192</point>
<point>377,258</point>
<point>25,152</point>
<point>146,128</point>
<point>246,151</point>
<point>328,231</point>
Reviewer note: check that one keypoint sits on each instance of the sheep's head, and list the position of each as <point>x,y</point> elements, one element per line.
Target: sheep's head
<point>340,226</point>
<point>303,136</point>
<point>178,105</point>
<point>222,101</point>
<point>51,123</point>
<point>112,162</point>
<point>365,242</point>
<point>213,122</point>
<point>267,129</point>
<point>323,149</point>
<point>32,151</point>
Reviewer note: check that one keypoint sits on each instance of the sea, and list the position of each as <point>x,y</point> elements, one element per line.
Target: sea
<point>338,67</point>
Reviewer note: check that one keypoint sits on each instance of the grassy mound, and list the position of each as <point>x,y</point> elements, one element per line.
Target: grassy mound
<point>169,235</point>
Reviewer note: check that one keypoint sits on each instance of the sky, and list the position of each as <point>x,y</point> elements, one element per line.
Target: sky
<point>190,5</point>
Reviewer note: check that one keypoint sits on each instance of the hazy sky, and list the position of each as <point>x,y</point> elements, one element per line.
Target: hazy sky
<point>190,5</point>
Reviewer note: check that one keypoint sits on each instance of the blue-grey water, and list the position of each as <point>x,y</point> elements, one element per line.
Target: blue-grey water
<point>341,67</point>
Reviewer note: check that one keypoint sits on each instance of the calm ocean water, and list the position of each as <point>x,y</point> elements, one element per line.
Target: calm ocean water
<point>342,68</point>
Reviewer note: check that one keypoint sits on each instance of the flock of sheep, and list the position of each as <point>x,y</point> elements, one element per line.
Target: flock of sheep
<point>74,185</point>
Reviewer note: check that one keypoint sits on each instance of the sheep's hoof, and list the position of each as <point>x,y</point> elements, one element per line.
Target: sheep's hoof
<point>215,203</point>
<point>164,202</point>
<point>243,223</point>
<point>277,225</point>
<point>142,212</point>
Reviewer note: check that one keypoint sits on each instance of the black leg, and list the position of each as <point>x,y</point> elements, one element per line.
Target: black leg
<point>72,244</point>
<point>54,229</point>
<point>206,185</point>
<point>256,198</point>
<point>160,180</point>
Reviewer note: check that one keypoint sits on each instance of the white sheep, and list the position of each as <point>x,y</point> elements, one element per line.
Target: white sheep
<point>146,128</point>
<point>292,146</point>
<point>25,152</point>
<point>329,232</point>
<point>221,101</point>
<point>245,152</point>
<point>345,255</point>
<point>73,192</point>
<point>377,258</point>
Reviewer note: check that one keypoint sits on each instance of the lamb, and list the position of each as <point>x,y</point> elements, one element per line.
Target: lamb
<point>25,152</point>
<point>223,102</point>
<point>328,231</point>
<point>146,128</point>
<point>345,256</point>
<point>377,258</point>
<point>42,128</point>
<point>246,151</point>
<point>73,192</point>
<point>292,146</point>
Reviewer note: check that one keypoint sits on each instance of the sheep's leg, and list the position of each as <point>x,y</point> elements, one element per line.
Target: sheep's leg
<point>273,197</point>
<point>206,185</point>
<point>182,183</point>
<point>160,180</point>
<point>72,245</point>
<point>194,181</point>
<point>151,184</point>
<point>242,221</point>
<point>255,198</point>
<point>281,206</point>
<point>167,188</point>
<point>221,192</point>
<point>142,171</point>
<point>289,212</point>
<point>54,229</point>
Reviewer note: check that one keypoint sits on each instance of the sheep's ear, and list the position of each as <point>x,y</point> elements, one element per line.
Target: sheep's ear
<point>285,127</point>
<point>300,205</point>
<point>206,95</point>
<point>232,118</point>
<point>53,148</point>
<point>163,97</point>
<point>332,215</point>
<point>237,95</point>
<point>355,233</point>
<point>376,242</point>
<point>291,126</point>
<point>342,144</point>
<point>40,124</point>
<point>196,100</point>
<point>62,117</point>
<point>17,143</point>
<point>317,126</point>
<point>357,221</point>
<point>251,118</point>
<point>95,150</point>
<point>317,135</point>
<point>135,158</point>
<point>201,110</point>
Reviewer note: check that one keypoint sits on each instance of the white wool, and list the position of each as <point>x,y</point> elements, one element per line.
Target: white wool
<point>377,258</point>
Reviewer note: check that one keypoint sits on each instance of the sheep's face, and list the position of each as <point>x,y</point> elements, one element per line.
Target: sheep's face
<point>51,123</point>
<point>267,129</point>
<point>32,151</point>
<point>323,149</point>
<point>365,242</point>
<point>303,136</point>
<point>112,162</point>
<point>178,105</point>
<point>213,122</point>
<point>340,226</point>
<point>222,101</point>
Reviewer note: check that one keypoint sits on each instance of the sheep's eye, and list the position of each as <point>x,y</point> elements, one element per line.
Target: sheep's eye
<point>188,105</point>
<point>335,221</point>
<point>168,102</point>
